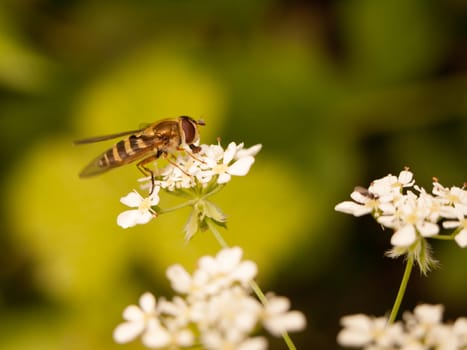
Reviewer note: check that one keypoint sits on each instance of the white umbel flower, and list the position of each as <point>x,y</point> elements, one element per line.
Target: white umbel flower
<point>215,309</point>
<point>138,319</point>
<point>213,274</point>
<point>368,332</point>
<point>461,225</point>
<point>143,212</point>
<point>421,330</point>
<point>277,318</point>
<point>229,164</point>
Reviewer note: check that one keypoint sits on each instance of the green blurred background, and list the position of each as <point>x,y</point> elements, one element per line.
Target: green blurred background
<point>338,92</point>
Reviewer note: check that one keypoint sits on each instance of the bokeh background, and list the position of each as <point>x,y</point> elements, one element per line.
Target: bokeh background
<point>338,92</point>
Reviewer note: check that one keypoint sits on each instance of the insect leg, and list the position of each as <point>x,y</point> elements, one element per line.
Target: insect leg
<point>177,166</point>
<point>194,149</point>
<point>146,171</point>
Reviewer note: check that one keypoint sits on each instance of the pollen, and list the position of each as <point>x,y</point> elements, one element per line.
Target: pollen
<point>220,168</point>
<point>145,205</point>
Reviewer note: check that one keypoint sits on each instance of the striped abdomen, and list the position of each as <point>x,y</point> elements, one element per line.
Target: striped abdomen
<point>123,152</point>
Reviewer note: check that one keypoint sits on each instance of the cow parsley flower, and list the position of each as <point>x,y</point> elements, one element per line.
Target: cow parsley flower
<point>143,212</point>
<point>213,274</point>
<point>367,332</point>
<point>412,213</point>
<point>212,163</point>
<point>454,200</point>
<point>410,218</point>
<point>423,329</point>
<point>215,308</point>
<point>460,226</point>
<point>277,318</point>
<point>380,196</point>
<point>226,163</point>
<point>193,176</point>
<point>139,319</point>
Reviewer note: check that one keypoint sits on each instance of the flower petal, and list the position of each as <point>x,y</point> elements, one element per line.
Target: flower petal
<point>353,208</point>
<point>461,238</point>
<point>133,313</point>
<point>132,199</point>
<point>245,272</point>
<point>143,217</point>
<point>223,178</point>
<point>251,151</point>
<point>428,229</point>
<point>357,331</point>
<point>405,178</point>
<point>404,236</point>
<point>156,337</point>
<point>147,302</point>
<point>127,331</point>
<point>292,321</point>
<point>229,153</point>
<point>180,279</point>
<point>241,166</point>
<point>227,259</point>
<point>128,218</point>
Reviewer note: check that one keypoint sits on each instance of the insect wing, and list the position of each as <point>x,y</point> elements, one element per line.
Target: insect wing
<point>97,167</point>
<point>104,137</point>
<point>123,152</point>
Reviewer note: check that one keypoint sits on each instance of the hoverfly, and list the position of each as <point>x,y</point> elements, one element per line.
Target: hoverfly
<point>157,140</point>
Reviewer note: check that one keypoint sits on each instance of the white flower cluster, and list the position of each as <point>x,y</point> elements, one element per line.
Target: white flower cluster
<point>214,309</point>
<point>397,203</point>
<point>421,330</point>
<point>212,166</point>
<point>212,163</point>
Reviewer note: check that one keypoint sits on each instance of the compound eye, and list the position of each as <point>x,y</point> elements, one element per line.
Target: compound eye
<point>189,129</point>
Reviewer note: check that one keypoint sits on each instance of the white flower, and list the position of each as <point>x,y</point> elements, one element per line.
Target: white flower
<point>178,309</point>
<point>409,218</point>
<point>460,331</point>
<point>228,165</point>
<point>188,170</point>
<point>215,340</point>
<point>138,319</point>
<point>277,318</point>
<point>213,274</point>
<point>245,152</point>
<point>233,312</point>
<point>217,310</point>
<point>454,200</point>
<point>461,225</point>
<point>156,332</point>
<point>361,330</point>
<point>171,336</point>
<point>425,326</point>
<point>390,187</point>
<point>421,330</point>
<point>380,197</point>
<point>174,177</point>
<point>143,212</point>
<point>426,314</point>
<point>365,203</point>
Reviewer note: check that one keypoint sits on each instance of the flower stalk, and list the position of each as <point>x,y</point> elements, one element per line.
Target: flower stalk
<point>402,289</point>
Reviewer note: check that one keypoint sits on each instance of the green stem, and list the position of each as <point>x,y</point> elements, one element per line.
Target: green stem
<point>180,206</point>
<point>254,286</point>
<point>402,289</point>
<point>445,237</point>
<point>190,202</point>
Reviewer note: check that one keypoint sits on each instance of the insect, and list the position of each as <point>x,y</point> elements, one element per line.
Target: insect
<point>157,140</point>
